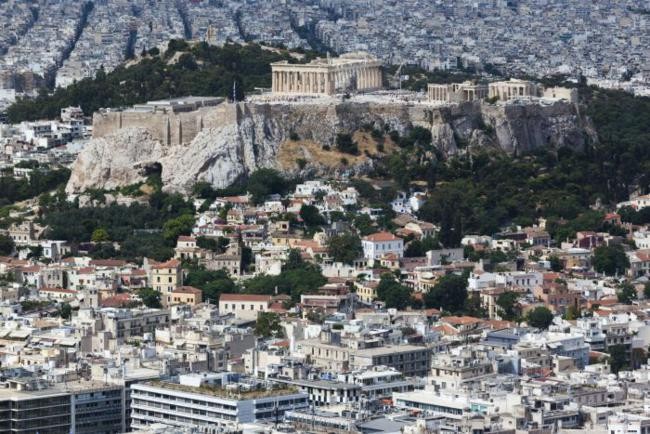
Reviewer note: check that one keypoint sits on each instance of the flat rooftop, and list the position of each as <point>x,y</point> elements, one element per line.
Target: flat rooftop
<point>220,392</point>
<point>56,389</point>
<point>389,349</point>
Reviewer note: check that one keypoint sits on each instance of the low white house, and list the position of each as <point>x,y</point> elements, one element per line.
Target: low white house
<point>380,244</point>
<point>244,306</point>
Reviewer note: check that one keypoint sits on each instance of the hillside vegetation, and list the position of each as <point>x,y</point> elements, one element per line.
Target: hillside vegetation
<point>182,70</point>
<point>481,190</point>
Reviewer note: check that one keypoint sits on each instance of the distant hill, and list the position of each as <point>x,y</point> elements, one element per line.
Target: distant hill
<point>184,69</point>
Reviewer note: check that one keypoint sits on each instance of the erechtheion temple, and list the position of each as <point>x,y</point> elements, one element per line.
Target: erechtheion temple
<point>457,92</point>
<point>512,89</point>
<point>349,72</point>
<point>500,90</point>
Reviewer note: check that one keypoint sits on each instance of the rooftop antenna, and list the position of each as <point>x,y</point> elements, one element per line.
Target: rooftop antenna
<point>234,91</point>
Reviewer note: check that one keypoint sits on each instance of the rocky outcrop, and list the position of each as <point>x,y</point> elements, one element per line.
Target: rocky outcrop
<point>115,161</point>
<point>241,138</point>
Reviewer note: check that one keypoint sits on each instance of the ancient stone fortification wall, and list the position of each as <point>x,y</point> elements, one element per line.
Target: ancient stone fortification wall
<point>167,128</point>
<point>220,144</point>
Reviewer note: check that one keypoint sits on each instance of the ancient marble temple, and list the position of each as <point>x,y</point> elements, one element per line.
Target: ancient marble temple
<point>349,72</point>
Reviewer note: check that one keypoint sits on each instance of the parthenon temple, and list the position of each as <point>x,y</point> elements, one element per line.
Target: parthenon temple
<point>349,72</point>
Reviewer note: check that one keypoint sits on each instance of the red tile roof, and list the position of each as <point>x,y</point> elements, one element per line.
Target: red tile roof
<point>117,300</point>
<point>172,263</point>
<point>381,236</point>
<point>108,262</point>
<point>188,290</point>
<point>460,320</point>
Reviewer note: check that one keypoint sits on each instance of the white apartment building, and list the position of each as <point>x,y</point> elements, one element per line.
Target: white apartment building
<point>642,239</point>
<point>209,402</point>
<point>521,279</point>
<point>637,203</point>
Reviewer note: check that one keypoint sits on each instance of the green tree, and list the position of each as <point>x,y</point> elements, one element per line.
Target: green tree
<point>617,357</point>
<point>417,248</point>
<point>310,216</point>
<point>6,245</point>
<point>345,144</point>
<point>203,190</point>
<point>175,227</point>
<point>364,224</point>
<point>65,311</point>
<point>99,235</point>
<point>540,317</point>
<point>294,260</point>
<point>344,248</point>
<point>303,280</point>
<point>556,264</point>
<point>610,260</point>
<point>449,293</point>
<point>269,325</point>
<point>626,293</point>
<point>150,297</point>
<point>213,283</point>
<point>264,182</point>
<point>218,244</point>
<point>35,252</point>
<point>508,304</point>
<point>187,61</point>
<point>393,293</point>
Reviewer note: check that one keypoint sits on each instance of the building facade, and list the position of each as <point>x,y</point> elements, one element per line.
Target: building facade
<point>208,408</point>
<point>244,306</point>
<point>165,278</point>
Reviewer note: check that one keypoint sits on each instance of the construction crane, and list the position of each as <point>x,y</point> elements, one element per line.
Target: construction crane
<point>397,75</point>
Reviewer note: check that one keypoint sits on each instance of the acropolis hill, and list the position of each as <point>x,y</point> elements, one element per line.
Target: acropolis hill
<point>294,127</point>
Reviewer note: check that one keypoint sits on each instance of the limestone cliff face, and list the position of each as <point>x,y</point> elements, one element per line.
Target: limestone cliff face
<point>118,160</point>
<point>237,139</point>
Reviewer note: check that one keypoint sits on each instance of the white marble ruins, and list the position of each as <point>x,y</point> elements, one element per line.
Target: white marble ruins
<point>349,72</point>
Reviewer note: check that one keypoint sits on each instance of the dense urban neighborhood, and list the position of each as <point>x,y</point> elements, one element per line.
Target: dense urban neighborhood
<point>57,43</point>
<point>324,216</point>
